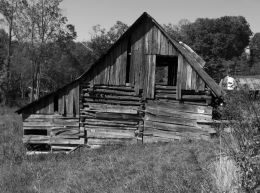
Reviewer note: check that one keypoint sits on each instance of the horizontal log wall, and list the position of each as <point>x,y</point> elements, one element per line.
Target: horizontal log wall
<point>116,114</point>
<point>166,121</point>
<point>110,114</point>
<point>169,93</point>
<point>54,130</point>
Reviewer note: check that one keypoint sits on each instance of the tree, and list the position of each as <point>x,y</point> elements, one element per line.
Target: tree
<point>116,31</point>
<point>101,40</point>
<point>218,41</point>
<point>3,48</point>
<point>41,22</point>
<point>177,32</point>
<point>254,47</point>
<point>3,53</point>
<point>224,37</point>
<point>9,9</point>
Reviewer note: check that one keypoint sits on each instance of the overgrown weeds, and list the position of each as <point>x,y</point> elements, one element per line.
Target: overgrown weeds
<point>242,141</point>
<point>173,167</point>
<point>186,166</point>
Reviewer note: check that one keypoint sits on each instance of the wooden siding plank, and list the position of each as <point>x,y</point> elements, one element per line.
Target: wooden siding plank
<point>193,80</point>
<point>179,77</point>
<point>184,74</point>
<point>163,45</point>
<point>123,62</point>
<point>159,34</point>
<point>154,40</point>
<point>189,75</point>
<point>151,65</point>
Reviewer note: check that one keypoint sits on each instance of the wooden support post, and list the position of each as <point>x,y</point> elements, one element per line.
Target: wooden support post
<point>179,76</point>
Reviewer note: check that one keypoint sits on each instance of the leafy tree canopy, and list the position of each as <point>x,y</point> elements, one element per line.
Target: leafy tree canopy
<point>255,48</point>
<point>220,41</point>
<point>101,40</point>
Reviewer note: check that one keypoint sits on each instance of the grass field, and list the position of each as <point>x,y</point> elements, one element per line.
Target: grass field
<point>174,167</point>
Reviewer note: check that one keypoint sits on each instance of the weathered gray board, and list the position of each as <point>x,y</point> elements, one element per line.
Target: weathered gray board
<point>110,114</point>
<point>116,114</point>
<point>173,120</point>
<point>55,130</point>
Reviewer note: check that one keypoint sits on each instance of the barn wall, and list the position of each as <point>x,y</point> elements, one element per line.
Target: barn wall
<point>147,41</point>
<point>169,120</point>
<point>190,79</point>
<point>54,131</point>
<point>68,103</point>
<point>116,114</point>
<point>110,114</point>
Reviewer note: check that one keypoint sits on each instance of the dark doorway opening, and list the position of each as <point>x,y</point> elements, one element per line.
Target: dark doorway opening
<point>166,70</point>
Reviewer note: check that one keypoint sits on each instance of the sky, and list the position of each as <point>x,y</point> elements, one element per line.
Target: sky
<point>84,14</point>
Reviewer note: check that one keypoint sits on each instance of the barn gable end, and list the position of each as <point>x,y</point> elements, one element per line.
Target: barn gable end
<point>147,87</point>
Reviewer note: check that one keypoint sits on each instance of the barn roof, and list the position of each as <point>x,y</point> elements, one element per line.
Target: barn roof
<point>194,60</point>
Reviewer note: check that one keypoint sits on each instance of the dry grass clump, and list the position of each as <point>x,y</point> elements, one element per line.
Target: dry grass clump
<point>225,174</point>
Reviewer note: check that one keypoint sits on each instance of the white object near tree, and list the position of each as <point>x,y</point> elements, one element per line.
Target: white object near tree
<point>228,83</point>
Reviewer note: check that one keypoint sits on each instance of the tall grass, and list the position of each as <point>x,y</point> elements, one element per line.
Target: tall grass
<point>225,174</point>
<point>186,166</point>
<point>173,167</point>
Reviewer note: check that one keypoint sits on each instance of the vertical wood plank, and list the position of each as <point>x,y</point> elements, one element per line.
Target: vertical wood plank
<point>201,85</point>
<point>152,75</point>
<point>51,105</point>
<point>61,108</point>
<point>117,64</point>
<point>66,97</point>
<point>150,38</point>
<point>184,74</point>
<point>166,46</point>
<point>163,45</point>
<point>150,78</point>
<point>106,77</point>
<point>132,63</point>
<point>76,99</point>
<point>154,40</point>
<point>179,77</point>
<point>193,80</point>
<point>111,76</point>
<point>159,34</point>
<point>189,74</point>
<point>123,62</point>
<point>70,101</point>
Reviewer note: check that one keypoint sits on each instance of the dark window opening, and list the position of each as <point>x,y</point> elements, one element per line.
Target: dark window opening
<point>128,61</point>
<point>38,147</point>
<point>35,132</point>
<point>166,70</point>
<point>56,103</point>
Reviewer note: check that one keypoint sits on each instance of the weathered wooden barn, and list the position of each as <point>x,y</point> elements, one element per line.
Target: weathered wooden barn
<point>147,87</point>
